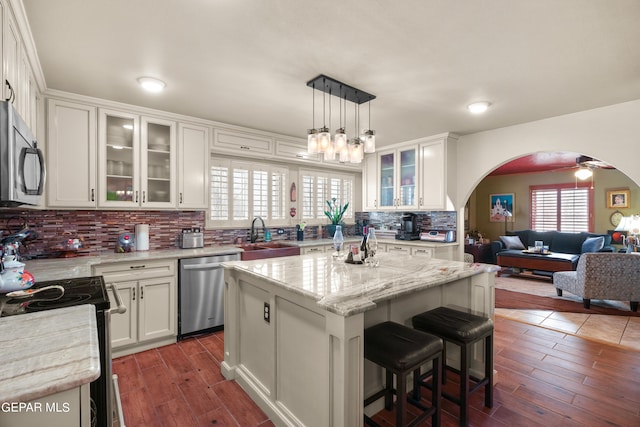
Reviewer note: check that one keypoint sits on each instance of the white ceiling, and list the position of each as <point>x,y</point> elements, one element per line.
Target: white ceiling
<point>246,62</point>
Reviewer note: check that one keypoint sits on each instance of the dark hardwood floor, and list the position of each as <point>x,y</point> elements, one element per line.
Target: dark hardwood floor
<point>545,378</point>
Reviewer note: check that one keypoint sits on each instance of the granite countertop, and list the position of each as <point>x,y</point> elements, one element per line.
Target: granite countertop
<point>47,352</point>
<point>67,268</point>
<point>348,289</point>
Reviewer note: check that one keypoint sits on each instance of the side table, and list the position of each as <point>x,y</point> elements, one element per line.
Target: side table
<point>481,253</point>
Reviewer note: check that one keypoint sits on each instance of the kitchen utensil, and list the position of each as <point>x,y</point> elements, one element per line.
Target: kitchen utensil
<point>30,292</point>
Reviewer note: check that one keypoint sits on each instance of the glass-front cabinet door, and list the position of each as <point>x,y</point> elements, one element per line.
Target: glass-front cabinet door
<point>158,165</point>
<point>118,159</point>
<point>387,180</point>
<point>407,178</point>
<point>397,178</point>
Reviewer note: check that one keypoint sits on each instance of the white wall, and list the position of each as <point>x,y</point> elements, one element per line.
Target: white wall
<point>610,134</point>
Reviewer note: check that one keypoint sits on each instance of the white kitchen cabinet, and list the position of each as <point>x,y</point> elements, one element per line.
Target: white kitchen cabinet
<point>397,248</point>
<point>433,188</point>
<point>370,182</point>
<point>136,161</point>
<point>193,166</point>
<point>397,175</point>
<point>314,249</point>
<point>149,291</point>
<point>425,252</point>
<point>158,163</point>
<point>71,155</point>
<point>11,57</point>
<point>242,143</point>
<point>295,151</point>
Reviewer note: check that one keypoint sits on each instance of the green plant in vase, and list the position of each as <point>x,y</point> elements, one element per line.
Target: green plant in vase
<point>335,213</point>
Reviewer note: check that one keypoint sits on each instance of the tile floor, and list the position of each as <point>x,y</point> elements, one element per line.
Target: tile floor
<point>623,331</point>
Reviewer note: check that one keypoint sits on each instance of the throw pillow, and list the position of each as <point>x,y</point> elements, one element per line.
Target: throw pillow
<point>512,242</point>
<point>593,244</point>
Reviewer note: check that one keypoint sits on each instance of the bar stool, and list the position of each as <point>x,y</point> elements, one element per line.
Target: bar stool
<point>463,329</point>
<point>401,350</point>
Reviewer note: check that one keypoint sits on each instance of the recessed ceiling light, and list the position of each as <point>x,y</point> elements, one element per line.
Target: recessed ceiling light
<point>150,84</point>
<point>478,107</point>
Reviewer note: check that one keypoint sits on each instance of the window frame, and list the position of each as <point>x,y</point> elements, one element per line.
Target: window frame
<point>559,189</point>
<point>231,165</point>
<point>318,202</point>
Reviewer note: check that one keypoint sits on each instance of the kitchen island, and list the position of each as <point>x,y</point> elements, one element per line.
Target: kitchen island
<point>294,327</point>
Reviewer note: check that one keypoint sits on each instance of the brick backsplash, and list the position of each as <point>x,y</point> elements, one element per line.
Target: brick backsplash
<point>100,229</point>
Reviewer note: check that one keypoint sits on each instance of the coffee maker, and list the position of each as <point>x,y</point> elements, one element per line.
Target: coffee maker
<point>409,229</point>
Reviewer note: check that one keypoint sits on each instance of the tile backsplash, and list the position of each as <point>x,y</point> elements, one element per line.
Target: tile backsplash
<point>99,230</point>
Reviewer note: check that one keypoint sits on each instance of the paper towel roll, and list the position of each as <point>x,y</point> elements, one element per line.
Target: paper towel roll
<point>142,237</point>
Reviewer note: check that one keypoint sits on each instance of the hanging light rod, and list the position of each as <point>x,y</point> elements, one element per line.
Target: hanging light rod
<point>339,89</point>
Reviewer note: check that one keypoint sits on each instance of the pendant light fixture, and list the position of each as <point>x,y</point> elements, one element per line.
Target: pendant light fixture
<point>320,141</point>
<point>324,137</point>
<point>369,137</point>
<point>312,134</point>
<point>355,148</point>
<point>340,139</point>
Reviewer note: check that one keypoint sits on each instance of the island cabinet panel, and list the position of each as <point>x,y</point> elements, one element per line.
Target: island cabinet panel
<point>256,336</point>
<point>301,347</point>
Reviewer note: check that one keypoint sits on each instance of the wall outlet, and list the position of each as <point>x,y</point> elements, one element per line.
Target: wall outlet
<point>267,312</point>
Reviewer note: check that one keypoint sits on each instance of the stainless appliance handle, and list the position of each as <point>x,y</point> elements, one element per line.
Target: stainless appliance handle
<point>206,266</point>
<point>121,308</point>
<point>116,400</point>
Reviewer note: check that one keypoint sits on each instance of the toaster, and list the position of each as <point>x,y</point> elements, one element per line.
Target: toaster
<point>191,238</point>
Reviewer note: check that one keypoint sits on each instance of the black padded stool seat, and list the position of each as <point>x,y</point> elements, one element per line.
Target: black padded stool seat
<point>401,350</point>
<point>463,329</point>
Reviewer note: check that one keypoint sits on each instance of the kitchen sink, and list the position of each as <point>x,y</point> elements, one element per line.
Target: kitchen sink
<point>262,250</point>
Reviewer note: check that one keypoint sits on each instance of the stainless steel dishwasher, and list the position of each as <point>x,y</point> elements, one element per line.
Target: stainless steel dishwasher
<point>201,294</point>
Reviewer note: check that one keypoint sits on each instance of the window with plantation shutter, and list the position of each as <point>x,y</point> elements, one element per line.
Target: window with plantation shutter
<point>562,207</point>
<point>219,193</point>
<point>241,191</point>
<point>318,187</point>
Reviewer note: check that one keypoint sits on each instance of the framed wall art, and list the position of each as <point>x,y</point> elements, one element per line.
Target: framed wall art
<point>618,198</point>
<point>501,207</point>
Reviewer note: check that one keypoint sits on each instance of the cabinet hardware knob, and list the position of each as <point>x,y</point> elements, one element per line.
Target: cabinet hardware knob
<point>180,197</point>
<point>93,194</point>
<point>136,267</point>
<point>133,298</point>
<point>244,147</point>
<point>136,196</point>
<point>141,292</point>
<point>144,196</point>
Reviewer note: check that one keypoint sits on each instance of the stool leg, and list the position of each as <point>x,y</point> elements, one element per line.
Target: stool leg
<point>465,356</point>
<point>436,391</point>
<point>388,397</point>
<point>444,362</point>
<point>401,399</point>
<point>488,371</point>
<point>416,385</point>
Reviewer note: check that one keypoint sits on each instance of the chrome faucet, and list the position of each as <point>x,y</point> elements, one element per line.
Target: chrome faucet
<point>254,234</point>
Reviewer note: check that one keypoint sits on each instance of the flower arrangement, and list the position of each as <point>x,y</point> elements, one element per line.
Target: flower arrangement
<point>336,211</point>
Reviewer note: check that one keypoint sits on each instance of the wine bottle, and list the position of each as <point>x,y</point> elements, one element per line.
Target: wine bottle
<point>363,244</point>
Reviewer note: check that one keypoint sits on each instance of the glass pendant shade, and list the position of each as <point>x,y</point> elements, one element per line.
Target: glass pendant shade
<point>370,141</point>
<point>340,139</point>
<point>344,154</point>
<point>324,139</point>
<point>312,141</point>
<point>330,152</point>
<point>355,151</point>
<point>583,173</point>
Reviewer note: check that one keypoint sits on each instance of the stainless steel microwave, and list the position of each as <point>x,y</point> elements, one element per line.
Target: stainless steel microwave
<point>22,169</point>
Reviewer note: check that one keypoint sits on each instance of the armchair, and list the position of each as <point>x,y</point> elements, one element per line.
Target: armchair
<point>607,276</point>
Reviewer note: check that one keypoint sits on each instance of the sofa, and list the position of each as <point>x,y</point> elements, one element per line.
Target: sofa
<point>606,276</point>
<point>565,249</point>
